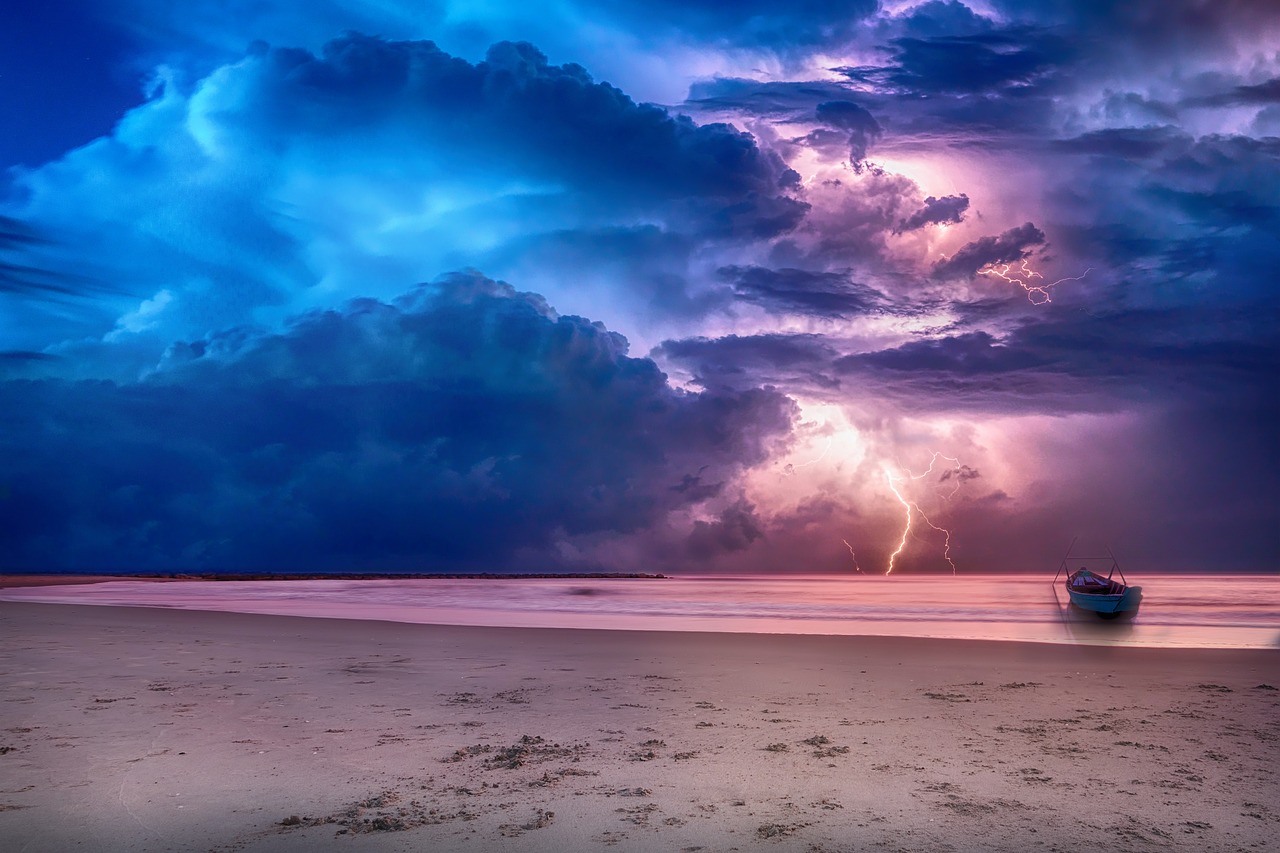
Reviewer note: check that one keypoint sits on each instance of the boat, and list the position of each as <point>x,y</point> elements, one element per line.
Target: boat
<point>1090,589</point>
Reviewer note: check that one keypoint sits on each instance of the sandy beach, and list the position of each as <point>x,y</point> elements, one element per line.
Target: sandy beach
<point>153,730</point>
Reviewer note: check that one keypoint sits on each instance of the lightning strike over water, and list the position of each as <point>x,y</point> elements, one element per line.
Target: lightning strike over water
<point>946,544</point>
<point>1037,294</point>
<point>893,487</point>
<point>913,507</point>
<point>852,556</point>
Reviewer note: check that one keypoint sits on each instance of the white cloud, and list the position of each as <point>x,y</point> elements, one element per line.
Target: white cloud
<point>143,318</point>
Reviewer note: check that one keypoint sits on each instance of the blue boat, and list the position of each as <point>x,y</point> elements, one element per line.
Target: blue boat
<point>1090,589</point>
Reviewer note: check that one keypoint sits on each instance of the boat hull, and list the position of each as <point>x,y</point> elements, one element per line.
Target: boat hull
<point>1107,604</point>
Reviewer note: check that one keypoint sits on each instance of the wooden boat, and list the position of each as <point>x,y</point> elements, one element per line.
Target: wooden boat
<point>1090,589</point>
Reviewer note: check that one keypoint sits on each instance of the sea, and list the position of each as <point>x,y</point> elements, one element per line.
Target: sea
<point>1183,611</point>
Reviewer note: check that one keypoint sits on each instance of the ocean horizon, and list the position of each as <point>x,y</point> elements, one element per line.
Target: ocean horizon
<point>1180,611</point>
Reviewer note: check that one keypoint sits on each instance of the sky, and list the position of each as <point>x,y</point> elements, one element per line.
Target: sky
<point>671,287</point>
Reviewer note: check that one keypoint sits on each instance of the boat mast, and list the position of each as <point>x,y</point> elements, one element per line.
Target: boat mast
<point>1063,565</point>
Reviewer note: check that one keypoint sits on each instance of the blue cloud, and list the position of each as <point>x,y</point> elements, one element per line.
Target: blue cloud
<point>547,118</point>
<point>465,425</point>
<point>286,174</point>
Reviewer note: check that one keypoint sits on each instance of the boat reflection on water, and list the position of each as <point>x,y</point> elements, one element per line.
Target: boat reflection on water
<point>1083,626</point>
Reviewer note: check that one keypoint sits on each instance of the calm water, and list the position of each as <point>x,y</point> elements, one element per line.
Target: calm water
<point>1181,610</point>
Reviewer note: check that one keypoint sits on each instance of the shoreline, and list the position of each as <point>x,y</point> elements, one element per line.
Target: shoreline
<point>1018,613</point>
<point>149,729</point>
<point>951,647</point>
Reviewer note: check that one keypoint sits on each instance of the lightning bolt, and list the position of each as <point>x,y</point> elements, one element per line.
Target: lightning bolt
<point>893,487</point>
<point>791,469</point>
<point>912,507</point>
<point>1022,275</point>
<point>852,556</point>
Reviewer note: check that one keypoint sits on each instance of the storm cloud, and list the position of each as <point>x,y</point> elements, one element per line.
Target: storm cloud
<point>1006,247</point>
<point>208,357</point>
<point>464,426</point>
<point>800,291</point>
<point>446,164</point>
<point>861,126</point>
<point>936,211</point>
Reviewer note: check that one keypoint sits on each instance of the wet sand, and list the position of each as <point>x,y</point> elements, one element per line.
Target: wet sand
<point>155,730</point>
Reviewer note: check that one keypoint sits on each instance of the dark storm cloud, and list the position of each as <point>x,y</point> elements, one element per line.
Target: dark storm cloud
<point>1056,361</point>
<point>766,99</point>
<point>1257,94</point>
<point>756,217</point>
<point>736,528</point>
<point>968,354</point>
<point>1223,182</point>
<point>466,425</point>
<point>960,120</point>
<point>1130,143</point>
<point>861,126</point>
<point>550,118</point>
<point>971,371</point>
<point>1227,209</point>
<point>790,291</point>
<point>964,90</point>
<point>936,211</point>
<point>1064,359</point>
<point>951,74</point>
<point>692,487</point>
<point>750,361</point>
<point>1161,206</point>
<point>948,71</point>
<point>944,18</point>
<point>965,64</point>
<point>1009,246</point>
